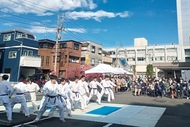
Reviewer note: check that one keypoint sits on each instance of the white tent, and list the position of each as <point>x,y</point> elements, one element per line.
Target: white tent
<point>122,71</point>
<point>101,68</point>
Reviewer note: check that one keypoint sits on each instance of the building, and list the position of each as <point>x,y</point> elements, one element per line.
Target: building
<point>91,54</point>
<point>106,58</point>
<point>18,54</point>
<point>145,54</point>
<point>183,19</point>
<point>68,57</point>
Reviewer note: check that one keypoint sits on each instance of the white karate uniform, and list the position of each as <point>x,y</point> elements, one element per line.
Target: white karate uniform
<point>33,88</point>
<point>20,89</point>
<point>84,91</point>
<point>76,97</point>
<point>94,91</point>
<point>63,92</point>
<point>51,99</point>
<point>107,89</point>
<point>5,92</point>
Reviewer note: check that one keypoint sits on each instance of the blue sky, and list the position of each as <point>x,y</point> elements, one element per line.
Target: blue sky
<point>109,22</point>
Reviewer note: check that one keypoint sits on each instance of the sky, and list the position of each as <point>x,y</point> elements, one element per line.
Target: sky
<point>108,22</point>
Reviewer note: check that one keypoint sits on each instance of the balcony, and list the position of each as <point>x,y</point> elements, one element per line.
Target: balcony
<point>30,61</point>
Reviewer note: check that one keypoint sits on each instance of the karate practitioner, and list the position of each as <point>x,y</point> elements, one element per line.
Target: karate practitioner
<point>84,92</point>
<point>51,93</point>
<point>94,90</point>
<point>5,94</point>
<point>64,92</point>
<point>76,97</point>
<point>20,89</point>
<point>107,88</point>
<point>33,88</point>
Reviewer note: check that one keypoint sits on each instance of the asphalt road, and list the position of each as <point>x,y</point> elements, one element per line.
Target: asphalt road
<point>177,113</point>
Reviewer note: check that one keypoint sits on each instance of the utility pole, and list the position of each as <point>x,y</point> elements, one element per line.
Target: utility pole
<point>59,29</point>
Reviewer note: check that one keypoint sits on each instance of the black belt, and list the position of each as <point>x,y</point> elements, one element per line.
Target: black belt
<point>94,88</point>
<point>19,93</point>
<point>4,95</point>
<point>51,96</point>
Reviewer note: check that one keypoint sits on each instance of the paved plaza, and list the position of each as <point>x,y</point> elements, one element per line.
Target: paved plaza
<point>143,111</point>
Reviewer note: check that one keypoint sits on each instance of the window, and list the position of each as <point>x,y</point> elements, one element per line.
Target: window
<point>140,59</point>
<point>58,59</point>
<point>100,51</point>
<point>93,61</point>
<point>131,51</point>
<point>20,35</point>
<point>150,50</point>
<point>73,59</point>
<point>76,46</point>
<point>42,62</point>
<point>141,51</point>
<point>63,45</point>
<point>47,60</point>
<point>122,52</point>
<point>171,58</point>
<point>28,53</point>
<point>93,49</point>
<point>12,54</point>
<point>161,50</point>
<point>159,58</point>
<point>131,59</point>
<point>7,37</point>
<point>111,52</point>
<point>0,55</point>
<point>171,50</point>
<point>44,45</point>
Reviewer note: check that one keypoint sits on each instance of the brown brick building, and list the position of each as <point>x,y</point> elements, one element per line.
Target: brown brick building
<point>68,58</point>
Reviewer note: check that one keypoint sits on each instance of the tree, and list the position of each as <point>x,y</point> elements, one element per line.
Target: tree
<point>149,71</point>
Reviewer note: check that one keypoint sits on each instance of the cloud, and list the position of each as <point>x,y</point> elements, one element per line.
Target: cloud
<point>77,30</point>
<point>8,24</point>
<point>98,15</point>
<point>41,30</point>
<point>44,7</point>
<point>99,30</point>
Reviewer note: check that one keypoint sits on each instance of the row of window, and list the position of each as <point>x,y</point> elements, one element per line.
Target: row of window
<point>142,51</point>
<point>7,37</point>
<point>47,60</point>
<point>13,54</point>
<point>158,58</point>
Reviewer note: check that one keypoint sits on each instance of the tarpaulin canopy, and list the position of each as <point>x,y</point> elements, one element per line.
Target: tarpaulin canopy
<point>122,71</point>
<point>101,68</point>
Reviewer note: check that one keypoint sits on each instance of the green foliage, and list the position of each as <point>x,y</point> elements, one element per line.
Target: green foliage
<point>149,70</point>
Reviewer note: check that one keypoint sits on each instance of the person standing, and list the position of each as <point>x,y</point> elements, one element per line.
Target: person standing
<point>52,99</point>
<point>5,94</point>
<point>63,94</point>
<point>76,97</point>
<point>20,89</point>
<point>33,88</point>
<point>107,88</point>
<point>84,92</point>
<point>94,90</point>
